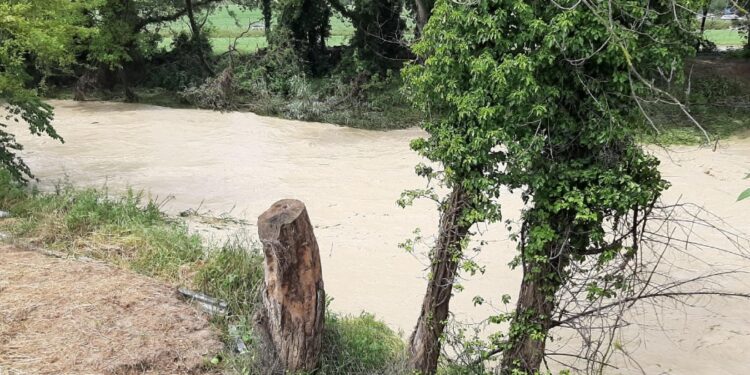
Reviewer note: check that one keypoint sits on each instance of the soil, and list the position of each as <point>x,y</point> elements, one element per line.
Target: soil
<point>79,316</point>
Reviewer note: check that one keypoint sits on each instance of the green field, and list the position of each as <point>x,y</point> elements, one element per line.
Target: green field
<point>726,37</point>
<point>230,21</point>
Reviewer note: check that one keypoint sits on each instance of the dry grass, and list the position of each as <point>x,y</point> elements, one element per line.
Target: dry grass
<point>76,316</point>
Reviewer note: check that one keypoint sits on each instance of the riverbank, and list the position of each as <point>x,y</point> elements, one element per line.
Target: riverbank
<point>240,163</point>
<point>718,97</point>
<point>152,255</point>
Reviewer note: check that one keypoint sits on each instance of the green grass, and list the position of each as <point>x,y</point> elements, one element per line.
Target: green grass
<point>726,37</point>
<point>361,345</point>
<point>250,43</point>
<point>230,21</point>
<point>127,230</point>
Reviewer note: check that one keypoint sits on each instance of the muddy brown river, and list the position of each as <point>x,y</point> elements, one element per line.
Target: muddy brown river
<point>240,163</point>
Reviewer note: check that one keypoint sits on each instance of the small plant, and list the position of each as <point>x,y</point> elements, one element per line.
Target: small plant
<point>361,345</point>
<point>745,194</point>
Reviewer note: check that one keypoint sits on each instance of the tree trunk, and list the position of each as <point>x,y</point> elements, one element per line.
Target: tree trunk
<point>292,317</point>
<point>130,95</point>
<point>194,28</point>
<point>378,33</point>
<point>267,14</point>
<point>423,15</point>
<point>84,83</point>
<point>424,343</point>
<point>532,319</point>
<point>703,26</point>
<point>533,308</point>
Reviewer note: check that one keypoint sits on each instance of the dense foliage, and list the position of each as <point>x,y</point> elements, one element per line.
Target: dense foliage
<point>36,36</point>
<point>541,98</point>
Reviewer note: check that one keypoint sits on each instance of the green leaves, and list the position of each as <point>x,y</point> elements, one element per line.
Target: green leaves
<point>541,97</point>
<point>38,35</point>
<point>745,194</point>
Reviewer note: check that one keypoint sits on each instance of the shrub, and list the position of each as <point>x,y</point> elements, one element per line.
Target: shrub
<point>183,65</point>
<point>361,345</point>
<point>233,273</point>
<point>12,192</point>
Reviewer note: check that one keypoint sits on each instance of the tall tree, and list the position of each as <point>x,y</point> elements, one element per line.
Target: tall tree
<point>378,30</point>
<point>124,35</point>
<point>267,10</point>
<point>541,97</point>
<point>306,24</point>
<point>422,10</point>
<point>35,35</point>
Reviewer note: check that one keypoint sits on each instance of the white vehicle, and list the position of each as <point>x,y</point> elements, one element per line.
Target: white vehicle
<point>730,17</point>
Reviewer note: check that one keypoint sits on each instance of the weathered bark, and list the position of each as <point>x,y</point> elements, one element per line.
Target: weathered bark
<point>423,11</point>
<point>292,316</point>
<point>424,343</point>
<point>534,307</point>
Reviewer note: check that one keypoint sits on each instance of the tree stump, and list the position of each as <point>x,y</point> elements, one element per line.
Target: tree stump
<point>292,316</point>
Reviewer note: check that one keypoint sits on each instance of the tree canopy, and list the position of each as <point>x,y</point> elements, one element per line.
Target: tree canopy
<point>542,98</point>
<point>36,36</point>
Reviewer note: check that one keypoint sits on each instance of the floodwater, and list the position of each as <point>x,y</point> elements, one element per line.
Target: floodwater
<point>240,163</point>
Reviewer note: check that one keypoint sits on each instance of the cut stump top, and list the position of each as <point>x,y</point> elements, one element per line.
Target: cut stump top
<point>283,212</point>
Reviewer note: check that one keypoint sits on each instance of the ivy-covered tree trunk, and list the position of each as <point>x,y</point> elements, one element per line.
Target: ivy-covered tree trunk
<point>539,97</point>
<point>532,319</point>
<point>424,343</point>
